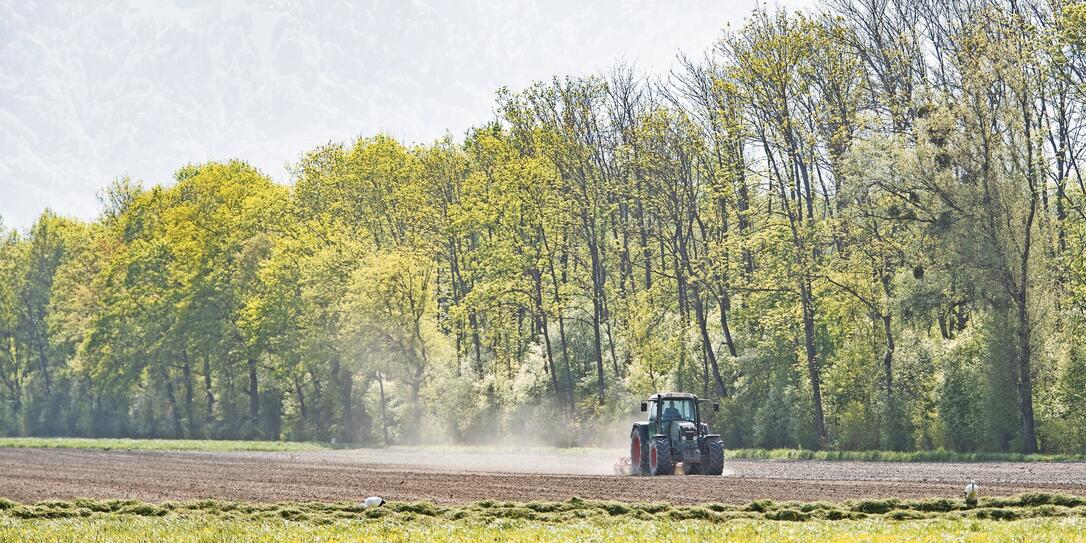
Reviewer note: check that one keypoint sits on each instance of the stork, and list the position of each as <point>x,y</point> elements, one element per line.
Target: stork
<point>971,493</point>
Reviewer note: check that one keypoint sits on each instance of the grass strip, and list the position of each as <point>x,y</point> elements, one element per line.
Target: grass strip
<point>1027,517</point>
<point>219,530</point>
<point>899,456</point>
<point>211,445</point>
<point>1022,506</point>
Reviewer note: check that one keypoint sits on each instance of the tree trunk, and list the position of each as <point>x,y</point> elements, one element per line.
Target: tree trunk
<point>320,411</point>
<point>43,365</point>
<point>186,373</point>
<point>646,252</point>
<point>597,316</point>
<point>476,343</point>
<point>888,354</point>
<point>335,392</point>
<point>209,417</point>
<point>726,326</point>
<point>570,390</point>
<point>412,429</point>
<point>1025,370</point>
<point>812,360</point>
<point>347,398</point>
<point>299,393</point>
<point>684,320</point>
<point>1025,383</point>
<point>175,413</point>
<point>557,293</point>
<point>744,212</point>
<point>541,325</point>
<point>707,343</point>
<point>384,408</point>
<point>254,399</point>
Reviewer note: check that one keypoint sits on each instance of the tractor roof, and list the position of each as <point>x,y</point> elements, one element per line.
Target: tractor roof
<point>672,395</point>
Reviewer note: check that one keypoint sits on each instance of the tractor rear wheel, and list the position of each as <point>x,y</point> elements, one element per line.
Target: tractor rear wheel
<point>639,454</point>
<point>715,465</point>
<point>660,457</point>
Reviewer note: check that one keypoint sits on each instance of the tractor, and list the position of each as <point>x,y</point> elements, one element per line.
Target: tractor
<point>675,433</point>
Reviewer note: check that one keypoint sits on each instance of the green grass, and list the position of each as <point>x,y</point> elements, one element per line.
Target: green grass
<point>159,444</point>
<point>1033,517</point>
<point>896,456</point>
<point>186,530</point>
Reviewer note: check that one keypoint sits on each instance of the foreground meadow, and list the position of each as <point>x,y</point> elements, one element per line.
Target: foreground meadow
<point>193,530</point>
<point>1033,517</point>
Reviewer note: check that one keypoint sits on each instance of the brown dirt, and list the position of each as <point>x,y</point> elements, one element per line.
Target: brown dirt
<point>36,474</point>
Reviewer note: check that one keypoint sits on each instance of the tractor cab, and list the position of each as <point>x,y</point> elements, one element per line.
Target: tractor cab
<point>670,409</point>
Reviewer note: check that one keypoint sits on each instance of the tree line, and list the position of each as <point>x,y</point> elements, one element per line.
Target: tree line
<point>857,228</point>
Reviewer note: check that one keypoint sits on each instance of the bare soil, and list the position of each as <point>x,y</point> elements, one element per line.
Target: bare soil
<point>29,475</point>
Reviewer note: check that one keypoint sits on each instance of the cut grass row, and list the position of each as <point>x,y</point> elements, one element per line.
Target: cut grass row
<point>1033,517</point>
<point>222,530</point>
<point>291,446</point>
<point>1022,506</point>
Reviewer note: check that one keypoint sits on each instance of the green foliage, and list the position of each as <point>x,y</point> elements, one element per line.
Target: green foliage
<point>960,398</point>
<point>848,241</point>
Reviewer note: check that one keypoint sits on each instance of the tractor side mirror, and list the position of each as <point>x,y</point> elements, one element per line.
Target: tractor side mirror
<point>644,406</point>
<point>716,406</point>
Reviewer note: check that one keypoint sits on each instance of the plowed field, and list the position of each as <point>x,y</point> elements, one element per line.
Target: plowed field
<point>453,477</point>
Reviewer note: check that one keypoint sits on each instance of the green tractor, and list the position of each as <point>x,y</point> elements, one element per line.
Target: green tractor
<point>675,433</point>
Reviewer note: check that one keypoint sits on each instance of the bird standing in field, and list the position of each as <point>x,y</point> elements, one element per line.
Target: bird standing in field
<point>971,494</point>
<point>372,501</point>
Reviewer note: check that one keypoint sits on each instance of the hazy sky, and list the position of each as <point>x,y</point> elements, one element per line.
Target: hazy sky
<point>92,91</point>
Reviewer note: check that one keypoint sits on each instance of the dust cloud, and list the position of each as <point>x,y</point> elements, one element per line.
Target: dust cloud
<point>500,459</point>
<point>507,454</point>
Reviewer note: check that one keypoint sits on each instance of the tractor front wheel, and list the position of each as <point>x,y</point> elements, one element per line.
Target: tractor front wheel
<point>639,454</point>
<point>715,464</point>
<point>660,462</point>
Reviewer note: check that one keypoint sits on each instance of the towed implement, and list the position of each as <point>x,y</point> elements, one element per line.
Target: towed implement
<point>674,433</point>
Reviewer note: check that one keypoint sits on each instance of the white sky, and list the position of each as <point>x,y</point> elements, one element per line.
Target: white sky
<point>91,91</point>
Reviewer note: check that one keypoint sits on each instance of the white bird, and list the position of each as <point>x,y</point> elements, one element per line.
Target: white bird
<point>971,493</point>
<point>372,501</point>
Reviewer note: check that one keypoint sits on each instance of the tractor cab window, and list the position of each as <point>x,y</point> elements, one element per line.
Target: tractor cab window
<point>677,410</point>
<point>653,412</point>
